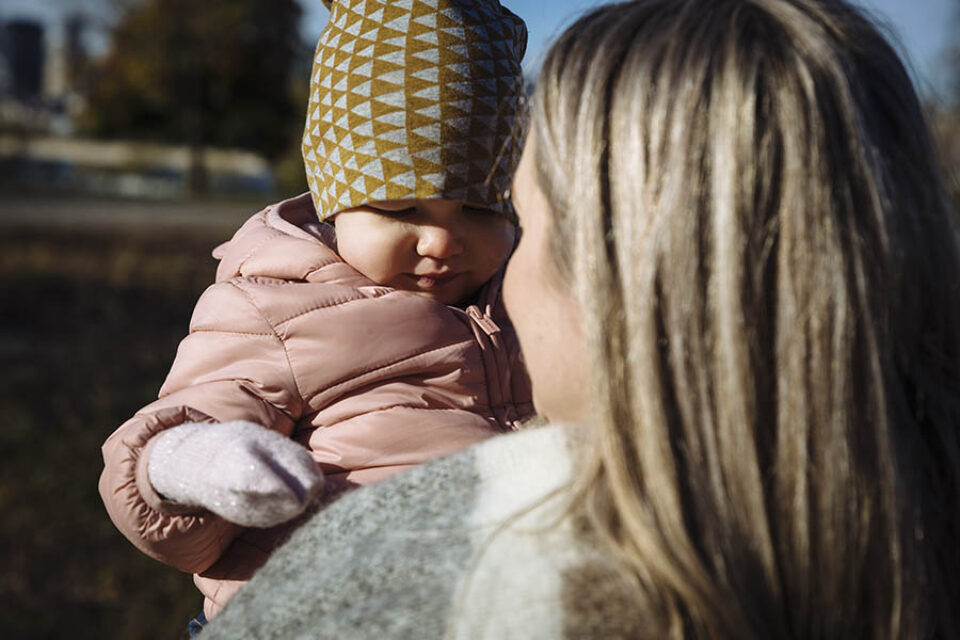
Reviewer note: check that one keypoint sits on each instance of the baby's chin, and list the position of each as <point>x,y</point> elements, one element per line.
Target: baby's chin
<point>457,292</point>
<point>444,297</point>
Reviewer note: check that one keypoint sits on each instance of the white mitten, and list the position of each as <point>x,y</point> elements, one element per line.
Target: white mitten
<point>243,472</point>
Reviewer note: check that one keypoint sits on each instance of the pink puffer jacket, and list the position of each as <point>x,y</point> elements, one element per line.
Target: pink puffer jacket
<point>372,380</point>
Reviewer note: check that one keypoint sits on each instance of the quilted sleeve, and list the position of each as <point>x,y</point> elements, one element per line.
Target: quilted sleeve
<point>232,366</point>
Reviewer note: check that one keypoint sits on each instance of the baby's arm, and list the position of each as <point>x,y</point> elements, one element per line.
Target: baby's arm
<point>232,367</point>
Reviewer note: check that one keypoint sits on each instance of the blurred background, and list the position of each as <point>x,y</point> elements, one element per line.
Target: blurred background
<point>136,135</point>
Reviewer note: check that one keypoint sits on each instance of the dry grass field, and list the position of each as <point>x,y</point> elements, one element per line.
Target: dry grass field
<point>93,307</point>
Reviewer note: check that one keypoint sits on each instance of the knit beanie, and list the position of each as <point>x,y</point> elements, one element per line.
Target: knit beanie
<point>415,99</point>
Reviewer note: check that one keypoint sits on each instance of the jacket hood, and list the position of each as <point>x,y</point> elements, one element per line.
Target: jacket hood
<point>285,241</point>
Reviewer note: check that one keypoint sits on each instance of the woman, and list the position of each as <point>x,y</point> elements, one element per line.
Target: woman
<point>738,278</point>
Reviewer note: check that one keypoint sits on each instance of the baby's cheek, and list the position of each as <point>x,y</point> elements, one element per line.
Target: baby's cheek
<point>498,242</point>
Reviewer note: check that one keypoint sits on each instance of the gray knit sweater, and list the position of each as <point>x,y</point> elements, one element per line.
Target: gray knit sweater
<point>471,546</point>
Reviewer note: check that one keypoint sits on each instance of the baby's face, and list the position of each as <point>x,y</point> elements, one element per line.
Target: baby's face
<point>440,249</point>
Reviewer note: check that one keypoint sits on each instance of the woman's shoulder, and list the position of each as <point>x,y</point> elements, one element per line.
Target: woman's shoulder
<point>401,558</point>
<point>481,486</point>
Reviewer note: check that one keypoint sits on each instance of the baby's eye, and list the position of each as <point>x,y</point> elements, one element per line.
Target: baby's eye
<point>396,213</point>
<point>481,212</point>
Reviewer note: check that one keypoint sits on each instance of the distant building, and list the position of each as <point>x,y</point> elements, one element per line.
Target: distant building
<point>23,50</point>
<point>43,73</point>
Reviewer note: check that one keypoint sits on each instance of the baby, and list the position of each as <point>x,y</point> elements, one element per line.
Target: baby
<point>354,331</point>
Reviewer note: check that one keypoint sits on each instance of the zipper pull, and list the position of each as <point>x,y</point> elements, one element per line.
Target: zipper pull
<point>485,322</point>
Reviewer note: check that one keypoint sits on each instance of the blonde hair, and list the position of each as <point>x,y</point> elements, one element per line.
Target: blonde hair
<point>747,200</point>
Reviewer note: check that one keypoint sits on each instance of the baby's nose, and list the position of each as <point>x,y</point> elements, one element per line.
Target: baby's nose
<point>439,242</point>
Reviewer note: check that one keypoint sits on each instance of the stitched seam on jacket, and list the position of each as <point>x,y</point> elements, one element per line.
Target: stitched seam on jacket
<point>409,408</point>
<point>237,333</point>
<point>316,267</point>
<point>283,347</point>
<point>405,407</point>
<point>326,304</point>
<point>368,372</point>
<point>270,236</point>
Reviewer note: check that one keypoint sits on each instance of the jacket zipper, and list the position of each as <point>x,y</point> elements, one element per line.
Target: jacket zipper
<point>485,322</point>
<point>502,409</point>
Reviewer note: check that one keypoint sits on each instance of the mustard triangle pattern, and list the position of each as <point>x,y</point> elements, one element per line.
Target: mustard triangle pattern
<point>413,98</point>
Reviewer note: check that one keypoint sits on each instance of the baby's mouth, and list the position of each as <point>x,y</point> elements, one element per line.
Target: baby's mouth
<point>428,281</point>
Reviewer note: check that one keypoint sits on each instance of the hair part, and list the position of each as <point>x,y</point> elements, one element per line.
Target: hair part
<point>746,197</point>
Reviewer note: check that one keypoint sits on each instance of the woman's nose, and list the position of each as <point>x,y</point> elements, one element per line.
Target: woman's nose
<point>438,242</point>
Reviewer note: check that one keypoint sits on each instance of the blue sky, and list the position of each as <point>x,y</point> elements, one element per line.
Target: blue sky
<point>924,28</point>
